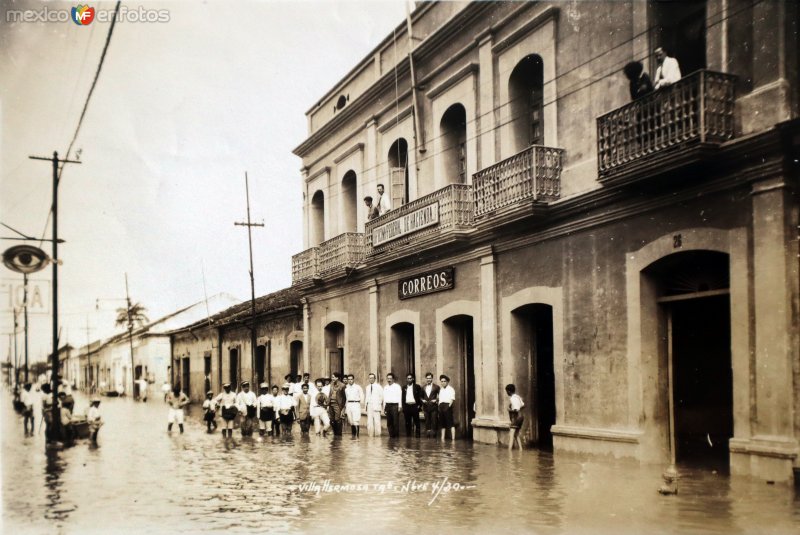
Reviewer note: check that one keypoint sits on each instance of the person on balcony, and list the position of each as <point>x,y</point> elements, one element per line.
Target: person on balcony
<point>639,81</point>
<point>384,203</point>
<point>372,210</point>
<point>668,71</point>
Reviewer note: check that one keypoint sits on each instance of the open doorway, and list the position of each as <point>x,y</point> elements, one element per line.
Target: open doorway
<point>532,346</point>
<point>295,357</point>
<point>261,364</point>
<point>459,365</point>
<point>402,358</point>
<point>334,347</point>
<point>233,367</point>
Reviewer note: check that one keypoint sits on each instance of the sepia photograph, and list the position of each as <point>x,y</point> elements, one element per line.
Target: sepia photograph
<point>397,266</point>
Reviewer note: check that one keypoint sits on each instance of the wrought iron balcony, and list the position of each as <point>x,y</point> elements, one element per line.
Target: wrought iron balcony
<point>304,265</point>
<point>530,175</point>
<point>697,110</point>
<point>438,214</point>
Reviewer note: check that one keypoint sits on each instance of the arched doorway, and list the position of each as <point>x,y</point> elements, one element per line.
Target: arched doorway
<point>526,102</point>
<point>317,223</point>
<point>334,347</point>
<point>453,129</point>
<point>402,359</point>
<point>692,291</point>
<point>398,172</point>
<point>349,201</point>
<point>459,365</point>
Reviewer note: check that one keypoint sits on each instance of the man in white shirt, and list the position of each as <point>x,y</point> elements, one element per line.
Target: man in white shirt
<point>447,396</point>
<point>28,400</point>
<point>384,203</point>
<point>246,401</point>
<point>266,410</point>
<point>285,405</point>
<point>374,406</point>
<point>177,400</point>
<point>227,401</point>
<point>319,410</point>
<point>668,71</point>
<point>392,398</point>
<point>354,395</point>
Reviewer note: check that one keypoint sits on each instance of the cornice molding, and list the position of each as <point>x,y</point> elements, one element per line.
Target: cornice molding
<point>354,148</point>
<point>456,77</point>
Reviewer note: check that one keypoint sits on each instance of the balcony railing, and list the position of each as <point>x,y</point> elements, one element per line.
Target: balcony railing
<point>304,265</point>
<point>451,205</point>
<point>532,174</point>
<point>697,109</point>
<point>345,250</point>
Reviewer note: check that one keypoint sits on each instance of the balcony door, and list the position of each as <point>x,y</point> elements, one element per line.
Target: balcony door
<point>454,144</point>
<point>398,172</point>
<point>680,28</point>
<point>526,92</point>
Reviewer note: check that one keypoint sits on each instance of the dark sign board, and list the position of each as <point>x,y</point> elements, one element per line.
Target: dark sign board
<point>427,283</point>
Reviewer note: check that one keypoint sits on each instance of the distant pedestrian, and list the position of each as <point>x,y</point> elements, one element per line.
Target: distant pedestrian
<point>412,405</point>
<point>354,395</point>
<point>210,412</point>
<point>226,400</point>
<point>94,419</point>
<point>28,400</point>
<point>143,390</point>
<point>304,409</point>
<point>515,416</point>
<point>374,406</point>
<point>447,396</point>
<point>639,83</point>
<point>285,405</point>
<point>165,389</point>
<point>319,410</point>
<point>392,399</point>
<point>67,427</point>
<point>47,411</point>
<point>246,401</point>
<point>266,410</point>
<point>177,400</point>
<point>430,406</point>
<point>336,403</point>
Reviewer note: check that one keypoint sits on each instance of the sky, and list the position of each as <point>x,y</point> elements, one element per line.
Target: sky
<point>182,109</point>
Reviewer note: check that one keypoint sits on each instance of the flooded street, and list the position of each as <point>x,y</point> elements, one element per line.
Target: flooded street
<point>143,480</point>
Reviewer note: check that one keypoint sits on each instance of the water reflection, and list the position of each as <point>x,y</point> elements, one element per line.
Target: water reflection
<point>141,479</point>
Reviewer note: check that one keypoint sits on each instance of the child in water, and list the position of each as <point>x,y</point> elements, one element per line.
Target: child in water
<point>210,415</point>
<point>515,416</point>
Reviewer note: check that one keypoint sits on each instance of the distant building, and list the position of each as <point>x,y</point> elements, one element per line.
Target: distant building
<point>210,352</point>
<point>630,266</point>
<point>111,358</point>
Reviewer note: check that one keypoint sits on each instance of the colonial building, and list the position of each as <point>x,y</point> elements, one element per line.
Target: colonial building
<point>107,363</point>
<point>216,350</point>
<point>631,266</point>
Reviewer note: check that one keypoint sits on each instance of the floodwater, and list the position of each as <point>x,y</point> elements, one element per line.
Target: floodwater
<point>143,480</point>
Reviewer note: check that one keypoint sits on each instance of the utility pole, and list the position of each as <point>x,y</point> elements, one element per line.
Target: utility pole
<point>130,331</point>
<point>90,374</point>
<point>25,304</point>
<point>16,353</point>
<point>249,226</point>
<point>55,161</point>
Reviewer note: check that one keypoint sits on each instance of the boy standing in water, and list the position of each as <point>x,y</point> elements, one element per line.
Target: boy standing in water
<point>210,415</point>
<point>515,415</point>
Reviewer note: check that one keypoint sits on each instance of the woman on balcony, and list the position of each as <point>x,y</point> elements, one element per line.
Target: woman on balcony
<point>639,81</point>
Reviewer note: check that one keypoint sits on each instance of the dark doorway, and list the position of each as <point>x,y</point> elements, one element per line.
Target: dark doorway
<point>679,26</point>
<point>295,356</point>
<point>233,363</point>
<point>261,363</point>
<point>532,341</point>
<point>402,361</point>
<point>185,376</point>
<point>454,144</point>
<point>137,372</point>
<point>334,344</point>
<point>526,95</point>
<point>207,372</point>
<point>459,343</point>
<point>702,379</point>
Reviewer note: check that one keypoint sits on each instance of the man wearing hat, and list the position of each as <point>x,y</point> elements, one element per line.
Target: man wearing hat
<point>246,400</point>
<point>227,401</point>
<point>266,410</point>
<point>210,414</point>
<point>94,419</point>
<point>285,406</point>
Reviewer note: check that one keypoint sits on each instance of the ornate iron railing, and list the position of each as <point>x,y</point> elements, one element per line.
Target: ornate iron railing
<point>455,213</point>
<point>345,250</point>
<point>304,265</point>
<point>698,108</point>
<point>534,173</point>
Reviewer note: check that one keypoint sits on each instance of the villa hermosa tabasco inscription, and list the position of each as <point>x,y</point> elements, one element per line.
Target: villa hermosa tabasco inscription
<point>426,216</point>
<point>426,283</point>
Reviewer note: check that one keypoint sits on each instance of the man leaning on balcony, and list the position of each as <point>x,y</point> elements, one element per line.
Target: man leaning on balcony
<point>384,203</point>
<point>668,71</point>
<point>372,210</point>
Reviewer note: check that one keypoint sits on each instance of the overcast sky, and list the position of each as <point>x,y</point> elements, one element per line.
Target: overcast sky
<point>181,110</point>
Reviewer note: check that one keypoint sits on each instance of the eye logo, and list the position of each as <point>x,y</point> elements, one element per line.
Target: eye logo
<point>82,15</point>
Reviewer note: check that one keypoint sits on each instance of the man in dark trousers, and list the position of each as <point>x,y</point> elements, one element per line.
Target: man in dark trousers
<point>430,406</point>
<point>336,403</point>
<point>412,404</point>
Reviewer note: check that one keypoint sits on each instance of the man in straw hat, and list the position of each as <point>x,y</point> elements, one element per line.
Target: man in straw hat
<point>266,410</point>
<point>93,418</point>
<point>226,400</point>
<point>246,400</point>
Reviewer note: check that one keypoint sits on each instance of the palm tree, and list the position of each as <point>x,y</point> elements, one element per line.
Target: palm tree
<point>132,315</point>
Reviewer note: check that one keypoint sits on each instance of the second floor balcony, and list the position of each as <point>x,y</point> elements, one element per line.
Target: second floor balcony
<point>696,112</point>
<point>329,258</point>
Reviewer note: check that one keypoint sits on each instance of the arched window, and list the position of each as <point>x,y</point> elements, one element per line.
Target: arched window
<point>526,93</point>
<point>349,201</point>
<point>454,144</point>
<point>334,347</point>
<point>317,223</point>
<point>398,172</point>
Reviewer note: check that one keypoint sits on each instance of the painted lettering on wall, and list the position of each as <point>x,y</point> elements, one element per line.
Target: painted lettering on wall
<point>426,283</point>
<point>426,216</point>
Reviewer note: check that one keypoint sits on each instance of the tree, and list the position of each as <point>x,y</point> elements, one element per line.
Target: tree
<point>132,315</point>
